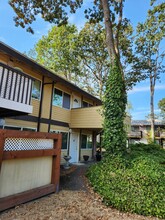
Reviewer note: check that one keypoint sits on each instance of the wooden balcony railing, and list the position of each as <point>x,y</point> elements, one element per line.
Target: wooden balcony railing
<point>91,117</point>
<point>16,87</point>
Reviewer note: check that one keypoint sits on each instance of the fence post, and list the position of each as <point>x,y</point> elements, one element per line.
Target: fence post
<point>56,163</point>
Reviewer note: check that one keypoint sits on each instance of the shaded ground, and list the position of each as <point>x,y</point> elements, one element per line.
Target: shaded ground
<point>75,201</point>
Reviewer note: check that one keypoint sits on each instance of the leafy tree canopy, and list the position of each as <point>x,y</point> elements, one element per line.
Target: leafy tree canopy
<point>161,105</point>
<point>149,47</point>
<point>58,51</point>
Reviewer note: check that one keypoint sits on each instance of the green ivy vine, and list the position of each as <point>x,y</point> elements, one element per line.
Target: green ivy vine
<point>115,99</point>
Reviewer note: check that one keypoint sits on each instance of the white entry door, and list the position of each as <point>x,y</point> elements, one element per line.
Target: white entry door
<point>74,147</point>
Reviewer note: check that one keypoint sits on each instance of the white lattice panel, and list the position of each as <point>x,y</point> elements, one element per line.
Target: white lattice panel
<point>12,144</point>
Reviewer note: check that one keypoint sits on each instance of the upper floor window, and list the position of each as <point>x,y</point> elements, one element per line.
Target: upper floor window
<point>61,99</point>
<point>36,89</point>
<point>86,104</point>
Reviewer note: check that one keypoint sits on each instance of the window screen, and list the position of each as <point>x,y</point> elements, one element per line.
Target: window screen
<point>36,89</point>
<point>57,98</point>
<point>66,101</point>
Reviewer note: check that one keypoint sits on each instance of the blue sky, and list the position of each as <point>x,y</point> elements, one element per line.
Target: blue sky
<point>135,10</point>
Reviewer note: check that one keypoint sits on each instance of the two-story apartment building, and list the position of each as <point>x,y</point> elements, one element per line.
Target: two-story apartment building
<point>56,105</point>
<point>141,131</point>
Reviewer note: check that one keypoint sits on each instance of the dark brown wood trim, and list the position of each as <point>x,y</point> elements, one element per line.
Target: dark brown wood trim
<point>41,101</point>
<point>25,118</point>
<point>51,106</point>
<point>42,120</point>
<point>17,199</point>
<point>55,122</point>
<point>8,155</point>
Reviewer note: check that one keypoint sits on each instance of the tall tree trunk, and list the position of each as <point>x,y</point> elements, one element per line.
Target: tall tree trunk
<point>152,87</point>
<point>111,40</point>
<point>109,31</point>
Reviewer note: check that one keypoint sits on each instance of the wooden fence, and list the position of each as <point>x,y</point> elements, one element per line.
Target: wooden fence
<point>29,166</point>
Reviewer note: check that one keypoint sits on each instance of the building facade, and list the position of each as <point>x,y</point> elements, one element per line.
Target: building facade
<point>47,102</point>
<point>143,128</point>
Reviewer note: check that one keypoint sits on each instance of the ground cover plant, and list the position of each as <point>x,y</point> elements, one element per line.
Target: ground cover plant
<point>134,182</point>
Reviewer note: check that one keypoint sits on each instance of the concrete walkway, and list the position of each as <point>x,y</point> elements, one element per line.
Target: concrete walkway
<point>75,180</point>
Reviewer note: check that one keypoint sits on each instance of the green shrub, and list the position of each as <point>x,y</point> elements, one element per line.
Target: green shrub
<point>134,183</point>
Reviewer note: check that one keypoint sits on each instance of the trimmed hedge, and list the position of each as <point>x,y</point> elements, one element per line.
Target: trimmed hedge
<point>134,182</point>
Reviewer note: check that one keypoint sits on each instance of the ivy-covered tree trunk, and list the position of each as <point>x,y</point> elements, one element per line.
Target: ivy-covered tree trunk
<point>114,139</point>
<point>115,100</point>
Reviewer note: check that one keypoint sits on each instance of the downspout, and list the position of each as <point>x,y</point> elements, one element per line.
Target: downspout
<point>40,108</point>
<point>51,106</point>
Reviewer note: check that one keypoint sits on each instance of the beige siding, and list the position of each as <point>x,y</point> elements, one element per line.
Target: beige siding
<point>14,63</point>
<point>20,123</point>
<point>63,88</point>
<point>91,118</point>
<point>61,114</point>
<point>59,128</point>
<point>46,101</point>
<point>86,118</point>
<point>44,127</point>
<point>36,105</point>
<point>20,175</point>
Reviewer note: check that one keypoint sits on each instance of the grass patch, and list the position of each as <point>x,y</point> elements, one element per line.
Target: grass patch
<point>134,182</point>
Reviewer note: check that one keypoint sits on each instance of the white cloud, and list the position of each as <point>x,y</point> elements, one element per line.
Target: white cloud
<point>146,88</point>
<point>140,115</point>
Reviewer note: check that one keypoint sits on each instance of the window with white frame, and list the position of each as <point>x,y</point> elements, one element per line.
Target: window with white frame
<point>10,127</point>
<point>86,141</point>
<point>29,129</point>
<point>61,99</point>
<point>36,89</point>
